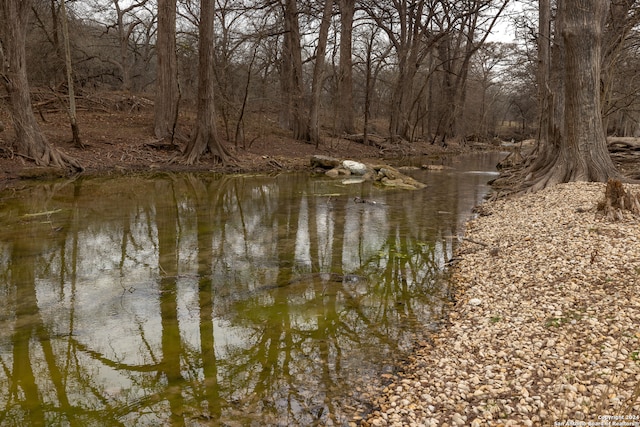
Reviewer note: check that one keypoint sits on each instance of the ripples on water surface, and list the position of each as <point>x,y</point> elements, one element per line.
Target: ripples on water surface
<point>218,300</point>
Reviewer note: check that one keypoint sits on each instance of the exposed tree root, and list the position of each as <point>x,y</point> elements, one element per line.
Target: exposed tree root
<point>44,154</point>
<point>205,141</point>
<point>617,200</point>
<point>532,174</point>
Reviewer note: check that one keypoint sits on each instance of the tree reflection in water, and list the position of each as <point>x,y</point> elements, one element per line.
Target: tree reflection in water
<point>208,300</point>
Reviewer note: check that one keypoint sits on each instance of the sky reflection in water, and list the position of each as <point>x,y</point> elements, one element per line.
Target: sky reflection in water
<point>218,300</point>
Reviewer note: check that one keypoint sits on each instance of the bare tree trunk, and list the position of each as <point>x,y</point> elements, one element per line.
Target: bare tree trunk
<point>576,149</point>
<point>346,120</point>
<point>239,135</point>
<point>544,65</point>
<point>123,38</point>
<point>586,139</point>
<point>368,87</point>
<point>54,26</point>
<point>167,90</point>
<point>205,135</point>
<point>292,83</point>
<point>408,44</point>
<point>30,141</point>
<point>318,74</point>
<point>75,130</point>
<point>456,53</point>
<point>399,120</point>
<point>449,54</point>
<point>124,34</point>
<point>617,200</point>
<point>552,96</point>
<point>623,19</point>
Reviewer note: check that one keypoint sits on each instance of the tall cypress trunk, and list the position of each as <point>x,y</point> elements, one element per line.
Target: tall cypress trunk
<point>318,74</point>
<point>346,120</point>
<point>586,139</point>
<point>573,142</point>
<point>167,90</point>
<point>292,82</point>
<point>205,136</point>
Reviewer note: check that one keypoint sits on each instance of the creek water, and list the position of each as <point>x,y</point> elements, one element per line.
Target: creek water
<point>202,299</point>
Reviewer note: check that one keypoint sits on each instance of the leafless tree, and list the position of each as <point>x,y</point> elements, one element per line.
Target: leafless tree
<point>205,136</point>
<point>420,31</point>
<point>620,68</point>
<point>118,38</point>
<point>318,73</point>
<point>574,144</point>
<point>346,119</point>
<point>403,23</point>
<point>167,91</point>
<point>520,101</point>
<point>30,141</point>
<point>488,69</point>
<point>124,30</point>
<point>373,58</point>
<point>469,29</point>
<point>293,93</point>
<point>75,129</point>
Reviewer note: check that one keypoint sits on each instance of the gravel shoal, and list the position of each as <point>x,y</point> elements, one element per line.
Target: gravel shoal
<point>546,325</point>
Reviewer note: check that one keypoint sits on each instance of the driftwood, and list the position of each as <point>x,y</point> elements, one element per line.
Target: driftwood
<point>50,101</point>
<point>617,145</point>
<point>514,159</point>
<point>372,139</point>
<point>626,153</point>
<point>617,200</point>
<point>160,145</point>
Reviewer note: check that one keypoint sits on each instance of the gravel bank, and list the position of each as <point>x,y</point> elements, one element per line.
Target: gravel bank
<point>546,327</point>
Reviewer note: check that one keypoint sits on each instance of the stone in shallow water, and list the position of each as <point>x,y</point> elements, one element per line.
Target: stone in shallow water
<point>358,180</point>
<point>332,173</point>
<point>355,168</point>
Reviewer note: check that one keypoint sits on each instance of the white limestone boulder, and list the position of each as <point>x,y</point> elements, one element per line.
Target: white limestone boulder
<point>356,168</point>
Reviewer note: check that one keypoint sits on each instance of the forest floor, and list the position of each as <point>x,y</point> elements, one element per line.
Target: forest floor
<point>116,129</point>
<point>122,142</point>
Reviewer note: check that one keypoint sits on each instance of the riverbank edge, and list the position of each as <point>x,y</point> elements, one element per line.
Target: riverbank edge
<point>543,330</point>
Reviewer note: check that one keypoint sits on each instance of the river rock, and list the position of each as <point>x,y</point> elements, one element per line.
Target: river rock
<point>355,180</point>
<point>398,183</point>
<point>356,168</point>
<point>436,167</point>
<point>388,172</point>
<point>391,177</point>
<point>383,174</point>
<point>325,162</point>
<point>333,173</point>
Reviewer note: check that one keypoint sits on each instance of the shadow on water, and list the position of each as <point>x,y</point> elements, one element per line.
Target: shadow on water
<point>218,300</point>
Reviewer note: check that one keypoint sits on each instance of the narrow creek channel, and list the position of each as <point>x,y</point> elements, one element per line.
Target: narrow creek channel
<point>201,300</point>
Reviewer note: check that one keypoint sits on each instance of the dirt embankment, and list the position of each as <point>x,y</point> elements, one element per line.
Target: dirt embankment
<point>122,142</point>
<point>116,130</point>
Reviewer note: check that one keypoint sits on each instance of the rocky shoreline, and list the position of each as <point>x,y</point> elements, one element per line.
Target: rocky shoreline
<point>546,325</point>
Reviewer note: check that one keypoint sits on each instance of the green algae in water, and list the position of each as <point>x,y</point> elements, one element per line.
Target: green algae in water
<point>217,300</point>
